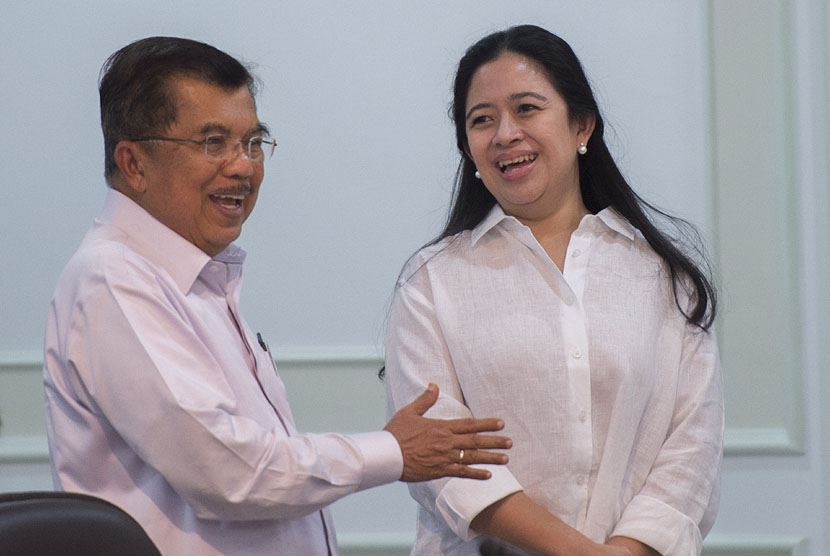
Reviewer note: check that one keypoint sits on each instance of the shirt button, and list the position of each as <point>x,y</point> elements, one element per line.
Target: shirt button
<point>568,299</point>
<point>576,353</point>
<point>580,480</point>
<point>576,252</point>
<point>583,416</point>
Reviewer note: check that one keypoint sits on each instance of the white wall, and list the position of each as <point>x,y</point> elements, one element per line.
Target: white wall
<point>356,94</point>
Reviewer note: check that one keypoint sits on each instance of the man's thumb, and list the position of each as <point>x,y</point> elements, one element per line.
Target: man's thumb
<point>426,400</point>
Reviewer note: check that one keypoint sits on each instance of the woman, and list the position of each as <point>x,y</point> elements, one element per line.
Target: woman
<point>552,300</point>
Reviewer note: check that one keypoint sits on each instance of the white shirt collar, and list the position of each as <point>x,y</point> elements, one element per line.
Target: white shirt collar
<point>607,218</point>
<point>145,234</point>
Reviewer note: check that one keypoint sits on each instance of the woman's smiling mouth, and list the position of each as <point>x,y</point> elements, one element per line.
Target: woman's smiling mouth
<point>513,164</point>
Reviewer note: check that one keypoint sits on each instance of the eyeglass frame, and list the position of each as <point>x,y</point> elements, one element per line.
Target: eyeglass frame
<point>206,142</point>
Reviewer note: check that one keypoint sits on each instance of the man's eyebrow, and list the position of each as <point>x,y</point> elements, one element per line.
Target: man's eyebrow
<point>215,127</point>
<point>514,96</point>
<point>260,128</point>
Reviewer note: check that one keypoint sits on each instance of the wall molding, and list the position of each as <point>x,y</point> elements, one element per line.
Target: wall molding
<point>301,355</point>
<point>24,449</point>
<point>377,544</point>
<point>34,448</point>
<point>745,441</point>
<point>755,545</point>
<point>753,171</point>
<point>335,355</point>
<point>11,359</point>
<point>738,441</point>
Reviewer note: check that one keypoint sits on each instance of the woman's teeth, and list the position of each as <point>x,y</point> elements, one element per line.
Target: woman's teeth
<point>503,164</point>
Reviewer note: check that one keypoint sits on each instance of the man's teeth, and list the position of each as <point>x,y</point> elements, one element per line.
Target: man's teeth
<point>519,159</point>
<point>229,199</point>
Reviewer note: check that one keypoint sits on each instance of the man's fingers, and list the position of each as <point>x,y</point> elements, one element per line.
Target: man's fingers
<point>423,402</point>
<point>485,441</point>
<point>472,457</point>
<point>471,473</point>
<point>480,441</point>
<point>461,426</point>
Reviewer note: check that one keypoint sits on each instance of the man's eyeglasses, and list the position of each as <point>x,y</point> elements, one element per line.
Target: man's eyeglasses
<point>219,147</point>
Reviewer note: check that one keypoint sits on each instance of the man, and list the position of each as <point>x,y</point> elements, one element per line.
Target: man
<point>159,397</point>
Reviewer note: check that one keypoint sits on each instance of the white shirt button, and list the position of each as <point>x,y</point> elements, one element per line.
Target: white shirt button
<point>583,416</point>
<point>580,480</point>
<point>576,253</point>
<point>576,353</point>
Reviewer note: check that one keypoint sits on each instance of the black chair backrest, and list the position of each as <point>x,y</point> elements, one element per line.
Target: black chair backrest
<point>68,524</point>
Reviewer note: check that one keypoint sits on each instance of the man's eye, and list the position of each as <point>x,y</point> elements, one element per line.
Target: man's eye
<point>255,145</point>
<point>215,144</point>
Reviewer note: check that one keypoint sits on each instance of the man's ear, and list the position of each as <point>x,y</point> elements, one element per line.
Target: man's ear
<point>129,158</point>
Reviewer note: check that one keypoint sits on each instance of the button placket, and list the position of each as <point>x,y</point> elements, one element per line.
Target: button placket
<point>575,345</point>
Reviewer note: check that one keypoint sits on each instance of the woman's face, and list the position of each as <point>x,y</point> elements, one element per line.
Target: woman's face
<point>521,139</point>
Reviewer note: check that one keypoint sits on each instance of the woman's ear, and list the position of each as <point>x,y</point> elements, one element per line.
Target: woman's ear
<point>129,158</point>
<point>585,127</point>
<point>467,151</point>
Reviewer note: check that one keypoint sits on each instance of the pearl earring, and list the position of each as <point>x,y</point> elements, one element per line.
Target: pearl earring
<point>582,148</point>
<point>478,174</point>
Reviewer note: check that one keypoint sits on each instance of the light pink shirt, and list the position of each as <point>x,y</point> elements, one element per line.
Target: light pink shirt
<point>614,403</point>
<point>160,399</point>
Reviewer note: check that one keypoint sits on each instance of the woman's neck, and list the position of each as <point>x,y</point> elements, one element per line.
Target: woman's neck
<point>553,231</point>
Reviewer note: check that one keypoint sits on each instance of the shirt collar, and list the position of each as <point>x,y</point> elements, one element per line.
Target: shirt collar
<point>494,217</point>
<point>617,222</point>
<point>163,247</point>
<point>606,218</point>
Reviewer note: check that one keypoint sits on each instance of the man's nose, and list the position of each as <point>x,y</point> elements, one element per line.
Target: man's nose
<point>240,162</point>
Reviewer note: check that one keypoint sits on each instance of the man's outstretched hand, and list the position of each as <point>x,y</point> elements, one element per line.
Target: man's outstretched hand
<point>432,448</point>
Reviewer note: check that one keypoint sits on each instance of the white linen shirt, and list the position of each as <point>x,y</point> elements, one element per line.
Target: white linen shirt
<point>160,399</point>
<point>613,401</point>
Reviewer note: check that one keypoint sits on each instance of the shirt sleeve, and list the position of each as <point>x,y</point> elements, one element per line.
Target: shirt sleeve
<point>416,354</point>
<point>677,505</point>
<point>162,392</point>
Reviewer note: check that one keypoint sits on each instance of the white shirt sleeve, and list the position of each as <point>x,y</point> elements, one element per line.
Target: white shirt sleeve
<point>134,364</point>
<point>677,505</point>
<point>416,355</point>
<point>613,401</point>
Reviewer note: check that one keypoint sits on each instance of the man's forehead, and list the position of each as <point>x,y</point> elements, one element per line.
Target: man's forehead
<point>209,108</point>
<point>185,87</point>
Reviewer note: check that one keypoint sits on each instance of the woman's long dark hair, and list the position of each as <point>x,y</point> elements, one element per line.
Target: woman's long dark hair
<point>601,182</point>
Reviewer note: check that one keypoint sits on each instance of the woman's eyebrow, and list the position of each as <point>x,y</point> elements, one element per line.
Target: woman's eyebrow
<point>537,96</point>
<point>477,107</point>
<point>514,96</point>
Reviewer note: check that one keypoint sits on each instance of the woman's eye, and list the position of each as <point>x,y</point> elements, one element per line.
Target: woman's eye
<point>479,120</point>
<point>527,108</point>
